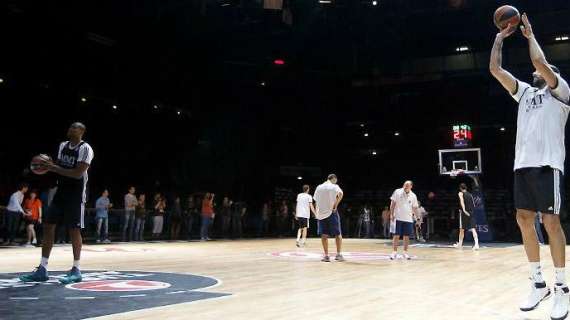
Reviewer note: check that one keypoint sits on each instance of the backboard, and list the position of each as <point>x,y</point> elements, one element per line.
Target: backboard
<point>468,161</point>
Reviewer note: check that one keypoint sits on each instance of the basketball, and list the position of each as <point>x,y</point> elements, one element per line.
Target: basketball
<point>37,165</point>
<point>505,15</point>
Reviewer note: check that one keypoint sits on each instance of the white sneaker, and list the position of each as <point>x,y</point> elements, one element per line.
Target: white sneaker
<point>35,241</point>
<point>393,256</point>
<point>538,293</point>
<point>561,301</point>
<point>407,256</point>
<point>456,245</point>
<point>298,244</point>
<point>98,241</point>
<point>475,247</point>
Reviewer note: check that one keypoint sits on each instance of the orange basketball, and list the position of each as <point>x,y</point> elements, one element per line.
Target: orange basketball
<point>37,165</point>
<point>505,15</point>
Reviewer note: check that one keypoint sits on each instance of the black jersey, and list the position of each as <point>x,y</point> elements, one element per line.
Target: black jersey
<point>68,158</point>
<point>469,202</point>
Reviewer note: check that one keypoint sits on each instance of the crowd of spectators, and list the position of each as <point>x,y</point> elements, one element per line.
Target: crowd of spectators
<point>136,216</point>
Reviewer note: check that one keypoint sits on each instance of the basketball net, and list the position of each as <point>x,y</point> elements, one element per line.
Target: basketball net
<point>454,173</point>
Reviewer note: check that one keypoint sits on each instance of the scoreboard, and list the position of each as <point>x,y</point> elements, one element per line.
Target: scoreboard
<point>462,135</point>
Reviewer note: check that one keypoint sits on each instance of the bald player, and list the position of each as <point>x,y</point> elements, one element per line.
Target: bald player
<point>68,205</point>
<point>403,206</point>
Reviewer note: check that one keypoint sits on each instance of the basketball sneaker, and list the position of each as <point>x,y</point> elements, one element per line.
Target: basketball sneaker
<point>339,258</point>
<point>326,259</point>
<point>475,248</point>
<point>298,244</point>
<point>40,274</point>
<point>74,275</point>
<point>561,301</point>
<point>393,256</point>
<point>407,256</point>
<point>538,293</point>
<point>98,241</point>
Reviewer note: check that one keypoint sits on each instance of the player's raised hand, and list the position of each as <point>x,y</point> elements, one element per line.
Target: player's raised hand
<point>506,32</point>
<point>526,28</point>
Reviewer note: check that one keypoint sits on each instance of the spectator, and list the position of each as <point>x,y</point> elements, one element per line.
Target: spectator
<point>33,217</point>
<point>14,212</point>
<point>364,222</point>
<point>226,214</point>
<point>237,219</point>
<point>175,219</point>
<point>421,213</point>
<point>102,206</point>
<point>190,212</point>
<point>386,222</point>
<point>158,219</point>
<point>140,216</point>
<point>265,219</point>
<point>283,218</point>
<point>129,220</point>
<point>207,215</point>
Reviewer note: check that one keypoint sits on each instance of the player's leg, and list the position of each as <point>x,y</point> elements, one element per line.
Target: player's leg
<point>406,244</point>
<point>325,243</point>
<point>525,221</point>
<point>324,230</point>
<point>299,232</point>
<point>337,231</point>
<point>74,219</point>
<point>41,274</point>
<point>461,237</point>
<point>304,236</point>
<point>475,239</point>
<point>556,239</point>
<point>395,243</point>
<point>74,275</point>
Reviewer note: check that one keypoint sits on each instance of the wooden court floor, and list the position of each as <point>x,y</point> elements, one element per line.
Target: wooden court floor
<point>272,279</point>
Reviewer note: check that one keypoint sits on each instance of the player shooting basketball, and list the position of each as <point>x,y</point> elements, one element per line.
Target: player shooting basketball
<point>539,162</point>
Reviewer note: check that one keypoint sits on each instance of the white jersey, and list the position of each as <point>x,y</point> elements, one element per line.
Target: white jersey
<point>405,204</point>
<point>303,209</point>
<point>325,196</point>
<point>542,115</point>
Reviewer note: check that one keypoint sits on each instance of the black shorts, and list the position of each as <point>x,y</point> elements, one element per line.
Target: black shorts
<point>539,190</point>
<point>67,213</point>
<point>466,222</point>
<point>303,222</point>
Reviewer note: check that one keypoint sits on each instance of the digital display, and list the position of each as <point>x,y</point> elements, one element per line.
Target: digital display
<point>462,135</point>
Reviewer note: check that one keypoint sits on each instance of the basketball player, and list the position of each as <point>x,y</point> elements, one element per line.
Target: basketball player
<point>73,160</point>
<point>328,195</point>
<point>466,219</point>
<point>403,206</point>
<point>302,214</point>
<point>539,163</point>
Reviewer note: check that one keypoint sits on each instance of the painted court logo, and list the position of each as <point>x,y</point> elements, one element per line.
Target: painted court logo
<point>119,285</point>
<point>354,256</point>
<point>100,293</point>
